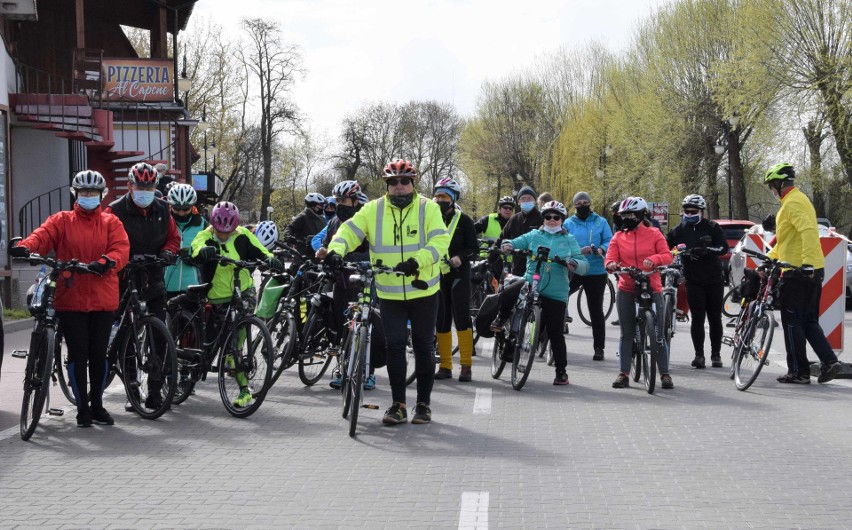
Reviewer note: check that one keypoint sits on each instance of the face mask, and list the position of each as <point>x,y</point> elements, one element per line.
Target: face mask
<point>401,201</point>
<point>143,199</point>
<point>527,207</point>
<point>445,207</point>
<point>345,212</point>
<point>691,219</point>
<point>552,229</point>
<point>330,215</point>
<point>89,203</point>
<point>583,211</point>
<point>776,194</point>
<point>181,218</point>
<point>630,224</point>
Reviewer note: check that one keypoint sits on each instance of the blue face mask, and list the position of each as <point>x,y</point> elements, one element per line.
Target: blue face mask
<point>527,207</point>
<point>143,199</point>
<point>89,203</point>
<point>691,219</point>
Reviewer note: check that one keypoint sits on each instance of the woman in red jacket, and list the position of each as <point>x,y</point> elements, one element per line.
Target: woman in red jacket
<point>85,307</point>
<point>637,244</point>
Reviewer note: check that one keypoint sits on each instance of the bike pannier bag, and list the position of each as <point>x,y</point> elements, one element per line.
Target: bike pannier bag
<point>487,313</point>
<point>272,292</point>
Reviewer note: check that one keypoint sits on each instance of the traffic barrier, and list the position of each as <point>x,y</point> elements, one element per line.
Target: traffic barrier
<point>756,243</point>
<point>832,303</point>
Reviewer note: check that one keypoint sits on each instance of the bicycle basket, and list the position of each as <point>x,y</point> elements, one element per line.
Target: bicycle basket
<point>272,292</point>
<point>36,299</point>
<point>750,284</point>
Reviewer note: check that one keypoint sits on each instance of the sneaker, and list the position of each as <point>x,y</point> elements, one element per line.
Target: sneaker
<point>698,362</point>
<point>666,381</point>
<point>444,373</point>
<point>154,401</point>
<point>786,378</point>
<point>795,379</point>
<point>101,416</point>
<point>422,414</point>
<point>84,418</point>
<point>370,383</point>
<point>395,415</point>
<point>569,319</point>
<point>499,323</point>
<point>622,381</point>
<point>561,378</point>
<point>336,380</point>
<point>466,375</point>
<point>827,373</point>
<point>599,355</point>
<point>716,360</point>
<point>243,399</point>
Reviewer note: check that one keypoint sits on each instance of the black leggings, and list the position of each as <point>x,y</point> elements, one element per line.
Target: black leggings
<point>86,336</point>
<point>705,301</point>
<point>455,303</point>
<point>422,313</point>
<point>593,287</point>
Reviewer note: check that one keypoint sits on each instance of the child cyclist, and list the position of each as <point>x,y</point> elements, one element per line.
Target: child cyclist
<point>225,237</point>
<point>182,199</point>
<point>554,282</point>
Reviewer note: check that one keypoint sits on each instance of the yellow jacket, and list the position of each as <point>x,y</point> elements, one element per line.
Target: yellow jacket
<point>417,231</point>
<point>796,234</point>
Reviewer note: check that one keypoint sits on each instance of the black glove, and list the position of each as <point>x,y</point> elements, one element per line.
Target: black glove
<point>19,252</point>
<point>97,267</point>
<point>333,260</point>
<point>168,256</point>
<point>807,271</point>
<point>206,253</point>
<point>408,267</point>
<point>274,264</point>
<point>699,251</point>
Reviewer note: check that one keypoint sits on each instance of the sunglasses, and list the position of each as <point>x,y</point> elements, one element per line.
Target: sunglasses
<point>181,208</point>
<point>405,181</point>
<point>552,217</point>
<point>506,207</point>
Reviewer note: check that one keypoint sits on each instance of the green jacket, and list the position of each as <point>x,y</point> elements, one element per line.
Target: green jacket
<point>242,245</point>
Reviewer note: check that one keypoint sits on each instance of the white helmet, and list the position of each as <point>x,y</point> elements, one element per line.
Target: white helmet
<point>554,206</point>
<point>88,180</point>
<point>447,183</point>
<point>633,204</point>
<point>362,198</point>
<point>314,199</point>
<point>267,233</point>
<point>182,195</point>
<point>694,200</point>
<point>346,189</point>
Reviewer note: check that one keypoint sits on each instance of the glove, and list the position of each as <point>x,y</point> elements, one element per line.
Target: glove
<point>807,271</point>
<point>274,264</point>
<point>168,256</point>
<point>206,253</point>
<point>586,250</point>
<point>699,251</point>
<point>97,267</point>
<point>408,267</point>
<point>333,260</point>
<point>19,252</point>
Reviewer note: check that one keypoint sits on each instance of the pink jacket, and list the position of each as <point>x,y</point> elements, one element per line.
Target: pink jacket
<point>631,248</point>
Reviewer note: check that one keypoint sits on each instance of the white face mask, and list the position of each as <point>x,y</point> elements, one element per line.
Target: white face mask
<point>552,229</point>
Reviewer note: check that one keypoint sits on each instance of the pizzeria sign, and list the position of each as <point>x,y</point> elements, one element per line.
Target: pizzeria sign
<point>138,79</point>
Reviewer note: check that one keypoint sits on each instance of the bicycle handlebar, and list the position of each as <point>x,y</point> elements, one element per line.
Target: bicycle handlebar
<point>72,265</point>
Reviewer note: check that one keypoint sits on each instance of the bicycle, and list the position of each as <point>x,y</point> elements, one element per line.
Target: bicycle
<point>40,363</point>
<point>672,276</point>
<point>608,299</point>
<point>648,342</point>
<point>241,348</point>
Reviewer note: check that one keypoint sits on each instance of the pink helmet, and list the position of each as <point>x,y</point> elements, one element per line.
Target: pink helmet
<point>225,216</point>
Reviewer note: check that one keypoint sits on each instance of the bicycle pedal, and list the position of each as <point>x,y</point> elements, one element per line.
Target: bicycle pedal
<point>19,354</point>
<point>55,412</point>
<point>371,407</point>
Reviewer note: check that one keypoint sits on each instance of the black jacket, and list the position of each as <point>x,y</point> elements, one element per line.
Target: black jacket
<point>518,225</point>
<point>303,227</point>
<point>463,244</point>
<point>705,269</point>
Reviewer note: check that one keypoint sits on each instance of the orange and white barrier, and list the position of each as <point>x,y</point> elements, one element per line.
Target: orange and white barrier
<point>756,243</point>
<point>832,303</point>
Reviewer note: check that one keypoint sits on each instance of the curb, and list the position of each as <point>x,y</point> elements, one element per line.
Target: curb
<point>11,326</point>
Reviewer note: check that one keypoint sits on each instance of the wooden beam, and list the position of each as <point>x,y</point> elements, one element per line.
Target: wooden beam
<point>159,34</point>
<point>81,26</point>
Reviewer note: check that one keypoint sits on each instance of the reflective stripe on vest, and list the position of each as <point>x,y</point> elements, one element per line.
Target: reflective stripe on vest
<point>445,268</point>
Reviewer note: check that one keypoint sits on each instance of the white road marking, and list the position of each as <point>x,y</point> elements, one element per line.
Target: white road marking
<point>474,511</point>
<point>482,402</point>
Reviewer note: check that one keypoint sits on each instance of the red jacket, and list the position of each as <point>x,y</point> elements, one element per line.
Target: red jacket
<point>631,248</point>
<point>86,236</point>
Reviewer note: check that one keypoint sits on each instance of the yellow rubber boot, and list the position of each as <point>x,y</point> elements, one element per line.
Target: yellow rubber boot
<point>465,348</point>
<point>445,350</point>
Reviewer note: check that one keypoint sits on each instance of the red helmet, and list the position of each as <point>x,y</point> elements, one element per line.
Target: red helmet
<point>399,168</point>
<point>143,174</point>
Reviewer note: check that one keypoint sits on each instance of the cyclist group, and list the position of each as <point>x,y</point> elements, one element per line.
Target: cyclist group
<point>430,244</point>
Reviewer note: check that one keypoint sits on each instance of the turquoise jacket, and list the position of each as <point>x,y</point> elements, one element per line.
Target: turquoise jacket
<point>554,281</point>
<point>181,275</point>
<point>594,230</point>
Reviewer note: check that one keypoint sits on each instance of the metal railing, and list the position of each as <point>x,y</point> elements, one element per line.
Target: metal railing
<point>33,213</point>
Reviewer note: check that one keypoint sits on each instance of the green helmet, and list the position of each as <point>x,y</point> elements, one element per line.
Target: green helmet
<point>780,171</point>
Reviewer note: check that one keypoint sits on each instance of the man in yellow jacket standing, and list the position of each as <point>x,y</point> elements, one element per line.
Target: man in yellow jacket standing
<point>405,231</point>
<point>797,243</point>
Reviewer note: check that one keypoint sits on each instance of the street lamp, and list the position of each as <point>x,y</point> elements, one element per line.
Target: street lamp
<point>728,126</point>
<point>184,82</point>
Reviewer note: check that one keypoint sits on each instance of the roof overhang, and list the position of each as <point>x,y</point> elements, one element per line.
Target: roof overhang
<point>19,9</point>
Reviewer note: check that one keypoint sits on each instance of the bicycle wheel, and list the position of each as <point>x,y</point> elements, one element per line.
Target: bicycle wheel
<point>582,310</point>
<point>526,348</point>
<point>314,360</point>
<point>245,371</point>
<point>497,362</point>
<point>347,352</point>
<point>37,380</point>
<point>754,353</point>
<point>669,308</point>
<point>737,339</point>
<point>282,329</point>
<point>730,303</point>
<point>186,332</point>
<point>650,352</point>
<point>609,298</point>
<point>410,362</point>
<point>60,368</point>
<point>359,357</point>
<point>608,302</point>
<point>149,366</point>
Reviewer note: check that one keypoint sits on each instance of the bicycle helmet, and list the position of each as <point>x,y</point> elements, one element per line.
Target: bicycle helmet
<point>267,234</point>
<point>694,201</point>
<point>362,198</point>
<point>554,206</point>
<point>88,180</point>
<point>782,171</point>
<point>330,201</point>
<point>615,206</point>
<point>507,200</point>
<point>447,184</point>
<point>225,216</point>
<point>346,189</point>
<point>182,195</point>
<point>399,168</point>
<point>633,204</point>
<point>144,175</point>
<point>314,199</point>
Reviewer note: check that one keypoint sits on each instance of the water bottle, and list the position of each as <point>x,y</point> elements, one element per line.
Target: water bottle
<point>113,332</point>
<point>303,309</point>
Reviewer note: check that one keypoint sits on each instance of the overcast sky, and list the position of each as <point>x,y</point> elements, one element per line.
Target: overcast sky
<point>357,52</point>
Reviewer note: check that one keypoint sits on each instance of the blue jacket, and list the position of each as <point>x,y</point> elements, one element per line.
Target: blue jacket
<point>593,231</point>
<point>316,241</point>
<point>181,275</point>
<point>554,278</point>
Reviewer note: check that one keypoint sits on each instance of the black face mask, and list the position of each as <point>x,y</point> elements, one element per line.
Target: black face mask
<point>181,218</point>
<point>630,224</point>
<point>445,207</point>
<point>583,211</point>
<point>344,212</point>
<point>401,201</point>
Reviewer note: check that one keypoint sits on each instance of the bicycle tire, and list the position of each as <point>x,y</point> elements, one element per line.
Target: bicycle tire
<point>668,325</point>
<point>60,368</point>
<point>730,307</point>
<point>151,351</point>
<point>314,365</point>
<point>497,363</point>
<point>251,357</point>
<point>37,380</point>
<point>346,352</point>
<point>607,305</point>
<point>636,356</point>
<point>282,329</point>
<point>737,340</point>
<point>650,352</point>
<point>186,332</point>
<point>751,358</point>
<point>358,379</point>
<point>526,347</point>
<point>410,361</point>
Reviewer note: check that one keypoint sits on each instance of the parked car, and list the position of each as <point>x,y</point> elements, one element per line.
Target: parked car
<point>824,222</point>
<point>733,230</point>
